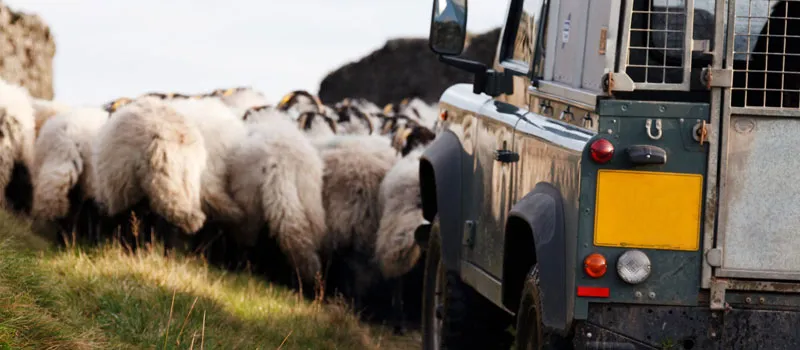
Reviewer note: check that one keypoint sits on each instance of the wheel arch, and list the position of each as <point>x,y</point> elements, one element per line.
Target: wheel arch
<point>440,181</point>
<point>535,234</point>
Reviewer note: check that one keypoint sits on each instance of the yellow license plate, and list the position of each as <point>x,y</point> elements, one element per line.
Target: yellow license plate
<point>652,210</point>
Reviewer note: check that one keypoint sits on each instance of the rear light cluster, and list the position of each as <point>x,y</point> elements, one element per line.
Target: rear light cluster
<point>601,151</point>
<point>633,267</point>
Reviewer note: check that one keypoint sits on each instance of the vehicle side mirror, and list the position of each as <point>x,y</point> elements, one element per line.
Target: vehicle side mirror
<point>448,27</point>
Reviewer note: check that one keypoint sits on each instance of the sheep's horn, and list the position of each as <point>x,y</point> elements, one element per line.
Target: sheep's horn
<point>112,106</point>
<point>304,120</point>
<point>331,122</point>
<point>291,98</point>
<point>388,125</point>
<point>254,109</point>
<point>364,117</point>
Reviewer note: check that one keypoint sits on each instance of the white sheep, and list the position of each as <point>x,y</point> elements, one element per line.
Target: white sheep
<point>221,130</point>
<point>277,180</point>
<point>17,136</point>
<point>62,172</point>
<point>354,168</point>
<point>149,153</point>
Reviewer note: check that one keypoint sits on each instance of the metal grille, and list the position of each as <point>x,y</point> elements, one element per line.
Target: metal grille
<point>766,52</point>
<point>658,42</point>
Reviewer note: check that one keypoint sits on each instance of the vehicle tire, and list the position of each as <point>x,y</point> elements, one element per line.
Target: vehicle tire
<point>454,316</point>
<point>530,331</point>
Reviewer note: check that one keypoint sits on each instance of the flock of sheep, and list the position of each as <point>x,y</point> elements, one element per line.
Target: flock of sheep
<point>305,193</point>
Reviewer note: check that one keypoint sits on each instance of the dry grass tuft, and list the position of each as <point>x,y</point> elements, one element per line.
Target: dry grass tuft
<point>106,298</point>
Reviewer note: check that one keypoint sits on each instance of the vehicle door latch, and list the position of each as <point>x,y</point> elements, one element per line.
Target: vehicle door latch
<point>506,156</point>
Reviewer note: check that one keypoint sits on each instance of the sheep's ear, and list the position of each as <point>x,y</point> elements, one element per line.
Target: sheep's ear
<point>388,108</point>
<point>229,92</point>
<point>346,101</point>
<point>404,102</point>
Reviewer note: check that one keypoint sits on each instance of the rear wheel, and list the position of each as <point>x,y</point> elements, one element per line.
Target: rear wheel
<point>454,316</point>
<point>530,331</point>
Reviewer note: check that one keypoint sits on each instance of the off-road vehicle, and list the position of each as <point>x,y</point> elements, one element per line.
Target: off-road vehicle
<point>625,176</point>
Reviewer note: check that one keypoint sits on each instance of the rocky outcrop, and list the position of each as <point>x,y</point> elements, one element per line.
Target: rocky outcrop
<point>26,52</point>
<point>403,68</point>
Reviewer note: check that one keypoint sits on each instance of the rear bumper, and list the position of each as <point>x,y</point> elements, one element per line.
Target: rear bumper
<point>669,327</point>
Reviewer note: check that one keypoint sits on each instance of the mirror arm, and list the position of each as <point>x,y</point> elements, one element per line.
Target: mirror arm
<point>464,64</point>
<point>497,83</point>
<point>488,81</point>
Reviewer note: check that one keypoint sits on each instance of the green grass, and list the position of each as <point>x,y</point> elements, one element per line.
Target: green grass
<point>106,298</point>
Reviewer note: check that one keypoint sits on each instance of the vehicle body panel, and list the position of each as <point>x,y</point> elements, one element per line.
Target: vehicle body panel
<point>495,131</point>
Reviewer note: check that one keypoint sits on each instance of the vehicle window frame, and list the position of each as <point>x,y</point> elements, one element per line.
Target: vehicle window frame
<point>510,35</point>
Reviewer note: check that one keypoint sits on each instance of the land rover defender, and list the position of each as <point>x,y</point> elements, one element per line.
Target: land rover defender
<point>624,176</point>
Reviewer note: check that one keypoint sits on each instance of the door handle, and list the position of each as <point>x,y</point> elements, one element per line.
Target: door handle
<point>506,156</point>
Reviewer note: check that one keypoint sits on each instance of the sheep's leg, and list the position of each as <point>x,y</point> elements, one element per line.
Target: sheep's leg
<point>398,314</point>
<point>91,218</point>
<point>164,230</point>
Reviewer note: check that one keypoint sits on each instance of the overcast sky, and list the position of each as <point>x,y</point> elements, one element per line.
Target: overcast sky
<point>111,48</point>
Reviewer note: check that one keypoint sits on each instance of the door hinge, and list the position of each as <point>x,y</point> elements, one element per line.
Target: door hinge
<point>714,257</point>
<point>721,78</point>
<point>717,301</point>
<point>469,234</point>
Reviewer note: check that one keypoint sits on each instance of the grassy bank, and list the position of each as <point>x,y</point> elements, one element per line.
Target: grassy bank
<point>106,298</point>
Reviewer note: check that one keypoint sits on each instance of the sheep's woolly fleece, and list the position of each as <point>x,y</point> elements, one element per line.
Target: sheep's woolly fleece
<point>63,160</point>
<point>222,129</point>
<point>277,179</point>
<point>354,168</point>
<point>17,132</point>
<point>396,250</point>
<point>148,150</point>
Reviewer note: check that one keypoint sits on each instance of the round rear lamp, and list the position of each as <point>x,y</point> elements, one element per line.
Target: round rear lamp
<point>601,151</point>
<point>633,266</point>
<point>595,265</point>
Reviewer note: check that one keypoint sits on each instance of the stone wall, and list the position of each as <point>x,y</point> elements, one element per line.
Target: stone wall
<point>403,68</point>
<point>26,52</point>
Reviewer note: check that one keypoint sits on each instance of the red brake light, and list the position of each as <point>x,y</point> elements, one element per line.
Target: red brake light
<point>601,151</point>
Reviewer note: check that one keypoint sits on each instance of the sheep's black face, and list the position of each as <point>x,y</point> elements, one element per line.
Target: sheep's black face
<point>416,136</point>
